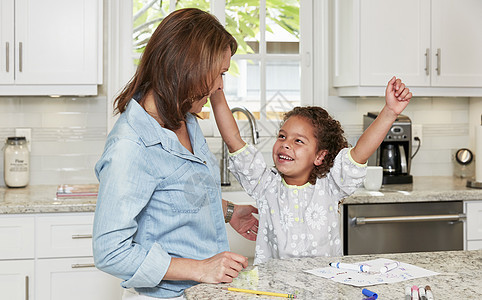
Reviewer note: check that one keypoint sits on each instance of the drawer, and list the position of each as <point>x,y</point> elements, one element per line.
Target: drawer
<point>474,220</point>
<point>64,235</point>
<point>474,245</point>
<point>16,237</point>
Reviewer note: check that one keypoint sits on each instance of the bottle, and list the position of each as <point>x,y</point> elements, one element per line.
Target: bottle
<point>16,171</point>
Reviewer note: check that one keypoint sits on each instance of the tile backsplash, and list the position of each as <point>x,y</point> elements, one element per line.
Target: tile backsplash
<point>445,128</point>
<point>68,134</point>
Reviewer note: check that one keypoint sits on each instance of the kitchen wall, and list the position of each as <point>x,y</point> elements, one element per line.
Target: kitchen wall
<point>445,127</point>
<point>68,133</point>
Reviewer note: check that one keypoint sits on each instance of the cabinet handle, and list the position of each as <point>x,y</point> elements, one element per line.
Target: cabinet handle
<point>81,236</point>
<point>408,219</point>
<point>79,266</point>
<point>7,62</point>
<point>26,288</point>
<point>20,56</point>
<point>439,62</point>
<point>427,61</point>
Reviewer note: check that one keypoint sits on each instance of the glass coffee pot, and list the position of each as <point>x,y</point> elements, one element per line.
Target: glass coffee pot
<point>390,159</point>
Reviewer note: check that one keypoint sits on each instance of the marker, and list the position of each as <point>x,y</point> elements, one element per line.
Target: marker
<point>421,292</point>
<point>290,296</point>
<point>389,267</point>
<point>415,292</point>
<point>408,293</point>
<point>428,291</point>
<point>360,268</point>
<point>369,294</point>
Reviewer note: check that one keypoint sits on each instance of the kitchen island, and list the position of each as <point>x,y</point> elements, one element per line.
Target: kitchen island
<point>460,278</point>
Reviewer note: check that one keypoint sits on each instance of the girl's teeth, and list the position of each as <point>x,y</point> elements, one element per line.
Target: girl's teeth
<point>285,157</point>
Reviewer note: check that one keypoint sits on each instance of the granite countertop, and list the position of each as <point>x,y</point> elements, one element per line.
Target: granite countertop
<point>43,199</point>
<point>423,189</point>
<point>460,278</point>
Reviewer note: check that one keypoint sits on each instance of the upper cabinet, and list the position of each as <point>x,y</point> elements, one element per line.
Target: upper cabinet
<point>434,46</point>
<point>50,47</point>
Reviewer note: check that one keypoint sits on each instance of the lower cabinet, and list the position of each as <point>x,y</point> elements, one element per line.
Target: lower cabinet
<point>49,257</point>
<point>17,279</point>
<point>473,210</point>
<point>74,279</point>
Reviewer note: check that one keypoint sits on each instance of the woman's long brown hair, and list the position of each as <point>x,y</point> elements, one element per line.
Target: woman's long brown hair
<point>179,65</point>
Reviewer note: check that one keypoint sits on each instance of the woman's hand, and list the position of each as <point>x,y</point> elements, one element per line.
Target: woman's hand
<point>222,267</point>
<point>244,222</point>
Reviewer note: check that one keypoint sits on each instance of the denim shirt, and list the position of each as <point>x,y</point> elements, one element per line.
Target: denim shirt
<point>156,201</point>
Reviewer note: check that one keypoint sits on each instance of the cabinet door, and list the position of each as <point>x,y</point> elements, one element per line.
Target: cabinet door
<point>394,40</point>
<point>56,41</point>
<point>16,279</point>
<point>74,279</point>
<point>6,41</point>
<point>456,37</point>
<point>64,235</point>
<point>19,232</point>
<point>474,220</point>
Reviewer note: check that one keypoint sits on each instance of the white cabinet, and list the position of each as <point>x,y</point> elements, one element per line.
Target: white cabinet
<point>74,279</point>
<point>433,46</point>
<point>16,257</point>
<point>16,279</point>
<point>49,256</point>
<point>473,210</point>
<point>50,47</point>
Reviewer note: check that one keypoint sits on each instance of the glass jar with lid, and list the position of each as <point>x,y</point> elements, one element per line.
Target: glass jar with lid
<point>16,170</point>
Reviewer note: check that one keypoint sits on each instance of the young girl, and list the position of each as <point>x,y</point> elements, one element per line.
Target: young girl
<point>314,170</point>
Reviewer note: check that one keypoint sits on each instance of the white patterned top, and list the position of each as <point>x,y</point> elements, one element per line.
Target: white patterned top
<point>296,221</point>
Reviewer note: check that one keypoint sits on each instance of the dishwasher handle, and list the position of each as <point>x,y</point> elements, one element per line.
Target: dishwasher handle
<point>408,219</point>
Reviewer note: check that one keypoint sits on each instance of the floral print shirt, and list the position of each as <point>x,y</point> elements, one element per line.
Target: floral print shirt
<point>296,221</point>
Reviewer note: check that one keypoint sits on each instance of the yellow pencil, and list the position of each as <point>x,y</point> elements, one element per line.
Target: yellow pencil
<point>291,296</point>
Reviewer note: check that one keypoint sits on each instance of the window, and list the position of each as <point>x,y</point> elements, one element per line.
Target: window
<point>271,71</point>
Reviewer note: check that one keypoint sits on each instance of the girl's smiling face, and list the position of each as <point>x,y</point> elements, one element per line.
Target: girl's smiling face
<point>295,152</point>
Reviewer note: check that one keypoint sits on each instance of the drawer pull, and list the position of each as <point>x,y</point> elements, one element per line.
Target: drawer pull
<point>427,62</point>
<point>407,219</point>
<point>7,62</point>
<point>79,266</point>
<point>439,61</point>
<point>26,288</point>
<point>20,58</point>
<point>81,236</point>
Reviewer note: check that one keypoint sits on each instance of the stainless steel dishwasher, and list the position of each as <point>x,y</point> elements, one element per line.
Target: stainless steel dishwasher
<point>403,227</point>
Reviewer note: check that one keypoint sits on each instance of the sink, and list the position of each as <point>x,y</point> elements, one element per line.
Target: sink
<point>238,243</point>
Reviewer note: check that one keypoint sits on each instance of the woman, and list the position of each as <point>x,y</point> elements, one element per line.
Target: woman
<point>159,221</point>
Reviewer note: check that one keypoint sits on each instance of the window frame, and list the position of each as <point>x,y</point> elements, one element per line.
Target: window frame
<point>119,46</point>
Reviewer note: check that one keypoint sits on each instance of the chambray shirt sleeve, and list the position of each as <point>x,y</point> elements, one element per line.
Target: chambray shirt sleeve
<point>126,185</point>
<point>346,175</point>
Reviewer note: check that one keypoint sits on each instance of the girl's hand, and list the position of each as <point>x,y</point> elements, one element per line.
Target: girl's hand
<point>222,267</point>
<point>397,95</point>
<point>244,222</point>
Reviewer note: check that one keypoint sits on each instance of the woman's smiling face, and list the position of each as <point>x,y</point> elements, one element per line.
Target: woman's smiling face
<point>295,151</point>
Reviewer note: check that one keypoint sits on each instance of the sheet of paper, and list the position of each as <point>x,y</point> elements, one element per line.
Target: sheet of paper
<point>402,272</point>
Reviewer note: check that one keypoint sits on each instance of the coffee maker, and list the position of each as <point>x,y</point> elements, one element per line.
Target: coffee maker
<point>394,153</point>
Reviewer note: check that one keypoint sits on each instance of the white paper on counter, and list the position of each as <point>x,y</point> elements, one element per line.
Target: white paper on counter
<point>350,277</point>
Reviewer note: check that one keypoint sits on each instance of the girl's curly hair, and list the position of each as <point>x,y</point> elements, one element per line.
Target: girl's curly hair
<point>328,132</point>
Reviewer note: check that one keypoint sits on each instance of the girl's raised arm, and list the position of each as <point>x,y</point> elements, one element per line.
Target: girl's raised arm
<point>225,121</point>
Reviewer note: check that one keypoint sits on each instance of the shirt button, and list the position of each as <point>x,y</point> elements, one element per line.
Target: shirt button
<point>204,162</point>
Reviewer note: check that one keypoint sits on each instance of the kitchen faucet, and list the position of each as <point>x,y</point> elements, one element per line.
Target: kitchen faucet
<point>254,134</point>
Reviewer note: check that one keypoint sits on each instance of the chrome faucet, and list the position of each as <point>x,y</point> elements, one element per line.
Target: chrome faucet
<point>254,134</point>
